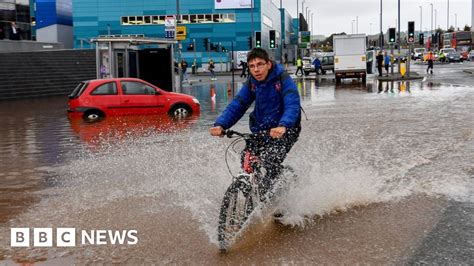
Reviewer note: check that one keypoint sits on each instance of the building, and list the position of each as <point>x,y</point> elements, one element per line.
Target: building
<point>224,24</point>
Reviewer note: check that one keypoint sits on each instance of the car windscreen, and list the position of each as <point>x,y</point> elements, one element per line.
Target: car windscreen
<point>78,90</point>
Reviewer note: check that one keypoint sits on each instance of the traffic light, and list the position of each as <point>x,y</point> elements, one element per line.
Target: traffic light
<point>272,39</point>
<point>421,39</point>
<point>205,43</point>
<point>391,35</point>
<point>258,39</point>
<point>411,31</point>
<point>250,42</point>
<point>190,47</point>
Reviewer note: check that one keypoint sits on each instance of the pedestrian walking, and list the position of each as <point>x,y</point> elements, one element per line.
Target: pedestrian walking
<point>386,61</point>
<point>244,69</point>
<point>380,60</point>
<point>211,69</point>
<point>184,68</point>
<point>317,66</point>
<point>429,70</point>
<point>299,66</point>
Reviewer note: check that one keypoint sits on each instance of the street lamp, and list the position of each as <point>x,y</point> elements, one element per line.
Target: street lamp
<point>381,31</point>
<point>357,24</point>
<point>447,18</point>
<point>306,12</point>
<point>421,19</point>
<point>431,18</point>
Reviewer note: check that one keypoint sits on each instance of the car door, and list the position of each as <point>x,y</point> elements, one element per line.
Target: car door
<point>105,97</point>
<point>141,98</point>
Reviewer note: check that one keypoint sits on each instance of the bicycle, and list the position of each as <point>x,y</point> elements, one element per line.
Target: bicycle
<point>245,195</point>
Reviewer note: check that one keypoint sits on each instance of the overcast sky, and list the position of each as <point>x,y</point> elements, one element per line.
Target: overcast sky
<point>332,16</point>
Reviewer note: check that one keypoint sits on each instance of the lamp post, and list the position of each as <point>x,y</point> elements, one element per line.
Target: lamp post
<point>312,22</point>
<point>381,31</point>
<point>399,46</point>
<point>357,24</point>
<point>370,28</point>
<point>447,18</point>
<point>421,19</point>
<point>431,18</point>
<point>436,18</point>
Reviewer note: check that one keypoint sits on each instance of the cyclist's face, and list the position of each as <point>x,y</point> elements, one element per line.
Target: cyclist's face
<point>259,68</point>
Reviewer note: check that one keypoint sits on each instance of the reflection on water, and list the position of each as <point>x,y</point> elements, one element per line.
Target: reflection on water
<point>117,128</point>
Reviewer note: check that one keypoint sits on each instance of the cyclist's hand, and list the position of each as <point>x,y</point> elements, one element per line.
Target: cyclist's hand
<point>277,132</point>
<point>216,131</point>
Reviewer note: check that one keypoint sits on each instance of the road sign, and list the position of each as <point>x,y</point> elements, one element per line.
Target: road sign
<point>170,21</point>
<point>180,33</point>
<point>170,27</point>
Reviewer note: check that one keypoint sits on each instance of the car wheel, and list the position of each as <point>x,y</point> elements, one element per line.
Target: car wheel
<point>306,73</point>
<point>180,111</point>
<point>93,115</point>
<point>323,72</point>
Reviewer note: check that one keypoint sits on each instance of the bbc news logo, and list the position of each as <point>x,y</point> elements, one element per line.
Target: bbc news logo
<point>66,237</point>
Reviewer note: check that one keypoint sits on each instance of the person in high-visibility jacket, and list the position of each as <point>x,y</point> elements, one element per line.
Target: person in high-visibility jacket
<point>430,58</point>
<point>299,66</point>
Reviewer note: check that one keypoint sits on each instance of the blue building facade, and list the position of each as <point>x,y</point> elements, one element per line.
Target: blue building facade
<point>202,19</point>
<point>54,21</point>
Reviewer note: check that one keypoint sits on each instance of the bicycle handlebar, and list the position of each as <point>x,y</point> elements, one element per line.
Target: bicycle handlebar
<point>230,133</point>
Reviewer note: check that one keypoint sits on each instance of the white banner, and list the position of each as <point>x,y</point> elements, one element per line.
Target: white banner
<point>231,4</point>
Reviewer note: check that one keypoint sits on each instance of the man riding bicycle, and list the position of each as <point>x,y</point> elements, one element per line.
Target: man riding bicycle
<point>277,111</point>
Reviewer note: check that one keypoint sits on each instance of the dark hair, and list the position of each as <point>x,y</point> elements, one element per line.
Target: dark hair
<point>258,53</point>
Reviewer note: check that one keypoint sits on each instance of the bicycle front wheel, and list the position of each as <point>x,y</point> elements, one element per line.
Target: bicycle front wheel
<point>237,205</point>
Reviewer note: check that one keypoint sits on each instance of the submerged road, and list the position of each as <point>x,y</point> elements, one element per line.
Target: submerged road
<point>385,176</point>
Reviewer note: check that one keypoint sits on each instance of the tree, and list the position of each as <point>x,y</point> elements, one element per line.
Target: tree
<point>467,28</point>
<point>451,29</point>
<point>329,41</point>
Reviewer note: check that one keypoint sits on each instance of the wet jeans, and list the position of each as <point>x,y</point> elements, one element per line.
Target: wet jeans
<point>272,153</point>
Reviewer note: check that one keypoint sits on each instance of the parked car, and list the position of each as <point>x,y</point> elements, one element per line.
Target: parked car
<point>96,99</point>
<point>418,53</point>
<point>308,65</point>
<point>451,54</point>
<point>471,56</point>
<point>327,64</point>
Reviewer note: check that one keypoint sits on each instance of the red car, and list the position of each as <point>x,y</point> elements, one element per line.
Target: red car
<point>96,99</point>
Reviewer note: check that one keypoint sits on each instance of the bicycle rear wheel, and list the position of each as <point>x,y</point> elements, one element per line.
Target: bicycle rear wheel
<point>237,205</point>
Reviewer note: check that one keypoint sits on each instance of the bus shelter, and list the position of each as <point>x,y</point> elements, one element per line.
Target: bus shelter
<point>136,56</point>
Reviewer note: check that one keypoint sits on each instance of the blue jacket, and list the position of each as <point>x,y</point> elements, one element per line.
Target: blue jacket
<point>277,103</point>
<point>317,63</point>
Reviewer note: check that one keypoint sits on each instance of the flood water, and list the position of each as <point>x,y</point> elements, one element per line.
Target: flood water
<point>383,169</point>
